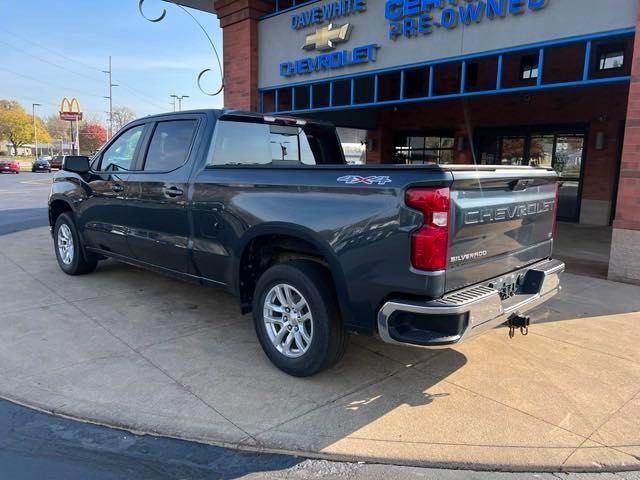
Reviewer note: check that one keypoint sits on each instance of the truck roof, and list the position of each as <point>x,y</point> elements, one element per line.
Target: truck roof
<point>240,114</point>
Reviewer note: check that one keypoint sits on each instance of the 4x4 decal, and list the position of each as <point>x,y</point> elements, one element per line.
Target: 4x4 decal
<point>372,180</point>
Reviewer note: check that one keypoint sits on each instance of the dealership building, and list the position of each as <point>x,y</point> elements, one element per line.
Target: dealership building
<point>498,82</point>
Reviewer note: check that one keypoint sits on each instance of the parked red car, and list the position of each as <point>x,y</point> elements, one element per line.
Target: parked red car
<point>56,162</point>
<point>9,166</point>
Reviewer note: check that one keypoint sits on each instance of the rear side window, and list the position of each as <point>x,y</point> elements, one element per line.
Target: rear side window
<point>241,143</point>
<point>170,145</point>
<point>245,143</point>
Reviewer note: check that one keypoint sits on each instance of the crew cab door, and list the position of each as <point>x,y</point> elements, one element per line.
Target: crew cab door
<point>103,216</point>
<point>158,192</point>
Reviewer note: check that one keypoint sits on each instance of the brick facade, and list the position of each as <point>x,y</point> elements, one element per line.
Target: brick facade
<point>625,249</point>
<point>239,22</point>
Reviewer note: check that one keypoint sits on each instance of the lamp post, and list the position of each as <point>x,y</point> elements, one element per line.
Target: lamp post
<point>35,131</point>
<point>179,97</point>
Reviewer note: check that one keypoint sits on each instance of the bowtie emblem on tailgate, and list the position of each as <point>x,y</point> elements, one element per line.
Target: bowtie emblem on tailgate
<point>521,184</point>
<point>371,180</point>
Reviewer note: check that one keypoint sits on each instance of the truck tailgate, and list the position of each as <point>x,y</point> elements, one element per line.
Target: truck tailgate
<point>501,220</point>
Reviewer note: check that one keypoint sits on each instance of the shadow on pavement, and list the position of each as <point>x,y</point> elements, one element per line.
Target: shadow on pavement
<point>19,219</point>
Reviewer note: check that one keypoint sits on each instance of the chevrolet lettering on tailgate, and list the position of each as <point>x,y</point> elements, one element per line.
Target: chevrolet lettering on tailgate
<point>507,212</point>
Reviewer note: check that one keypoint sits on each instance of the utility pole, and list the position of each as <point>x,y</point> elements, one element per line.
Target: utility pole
<point>35,131</point>
<point>110,98</point>
<point>179,97</point>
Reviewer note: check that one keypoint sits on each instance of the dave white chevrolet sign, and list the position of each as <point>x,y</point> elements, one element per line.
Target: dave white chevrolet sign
<point>326,38</point>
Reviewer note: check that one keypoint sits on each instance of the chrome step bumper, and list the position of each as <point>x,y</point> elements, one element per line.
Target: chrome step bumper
<point>477,308</point>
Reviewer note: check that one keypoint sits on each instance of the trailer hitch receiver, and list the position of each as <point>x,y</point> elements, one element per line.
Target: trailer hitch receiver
<point>518,321</point>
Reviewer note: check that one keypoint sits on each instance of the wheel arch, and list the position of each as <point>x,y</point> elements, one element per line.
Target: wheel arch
<point>58,206</point>
<point>282,241</point>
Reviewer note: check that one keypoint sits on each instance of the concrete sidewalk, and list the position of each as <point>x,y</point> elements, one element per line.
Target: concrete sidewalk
<point>129,348</point>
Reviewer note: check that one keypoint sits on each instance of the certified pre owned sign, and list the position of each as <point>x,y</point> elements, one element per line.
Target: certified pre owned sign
<point>409,18</point>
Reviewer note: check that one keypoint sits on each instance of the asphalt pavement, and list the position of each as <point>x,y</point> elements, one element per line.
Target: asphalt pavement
<point>23,201</point>
<point>34,445</point>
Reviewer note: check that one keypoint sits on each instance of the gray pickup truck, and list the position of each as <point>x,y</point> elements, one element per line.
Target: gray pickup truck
<point>266,208</point>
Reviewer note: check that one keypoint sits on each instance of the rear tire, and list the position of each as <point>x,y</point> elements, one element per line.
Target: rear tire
<point>312,326</point>
<point>69,252</point>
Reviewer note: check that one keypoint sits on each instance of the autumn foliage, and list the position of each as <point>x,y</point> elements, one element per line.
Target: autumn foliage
<point>92,137</point>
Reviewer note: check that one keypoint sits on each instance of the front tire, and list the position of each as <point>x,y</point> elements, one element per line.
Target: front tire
<point>69,252</point>
<point>296,318</point>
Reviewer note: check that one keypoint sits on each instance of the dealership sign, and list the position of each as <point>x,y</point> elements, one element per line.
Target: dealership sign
<point>406,19</point>
<point>327,13</point>
<point>410,18</point>
<point>326,38</point>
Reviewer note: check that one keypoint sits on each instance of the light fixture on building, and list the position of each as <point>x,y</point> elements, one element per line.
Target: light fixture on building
<point>600,140</point>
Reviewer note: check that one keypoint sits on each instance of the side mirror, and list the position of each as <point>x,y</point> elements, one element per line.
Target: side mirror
<point>76,163</point>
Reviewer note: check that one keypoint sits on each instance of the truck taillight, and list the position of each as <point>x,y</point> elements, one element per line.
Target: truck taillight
<point>430,243</point>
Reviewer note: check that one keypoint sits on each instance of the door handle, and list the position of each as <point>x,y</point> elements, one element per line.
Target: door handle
<point>117,188</point>
<point>173,191</point>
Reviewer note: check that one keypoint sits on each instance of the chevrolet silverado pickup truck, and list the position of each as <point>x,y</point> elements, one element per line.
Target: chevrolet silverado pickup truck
<point>266,208</point>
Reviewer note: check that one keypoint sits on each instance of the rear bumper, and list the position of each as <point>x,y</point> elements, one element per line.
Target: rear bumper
<point>467,312</point>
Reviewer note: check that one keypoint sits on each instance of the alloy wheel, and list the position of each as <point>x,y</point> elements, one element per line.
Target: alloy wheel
<point>288,320</point>
<point>65,244</point>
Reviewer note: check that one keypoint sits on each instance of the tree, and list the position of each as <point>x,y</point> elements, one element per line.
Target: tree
<point>92,137</point>
<point>59,129</point>
<point>122,116</point>
<point>16,125</point>
<point>9,105</point>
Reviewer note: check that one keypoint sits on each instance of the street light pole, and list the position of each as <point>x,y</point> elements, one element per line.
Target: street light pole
<point>179,97</point>
<point>35,131</point>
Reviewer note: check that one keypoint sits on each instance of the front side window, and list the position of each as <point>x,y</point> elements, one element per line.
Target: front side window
<point>169,145</point>
<point>120,154</point>
<point>246,143</point>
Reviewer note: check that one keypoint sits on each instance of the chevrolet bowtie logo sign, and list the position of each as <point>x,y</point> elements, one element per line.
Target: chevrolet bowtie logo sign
<point>326,38</point>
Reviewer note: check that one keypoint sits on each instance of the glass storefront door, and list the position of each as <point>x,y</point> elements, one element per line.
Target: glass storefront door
<point>562,149</point>
<point>568,163</point>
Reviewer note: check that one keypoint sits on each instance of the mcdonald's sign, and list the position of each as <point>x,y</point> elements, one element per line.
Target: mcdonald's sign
<point>67,110</point>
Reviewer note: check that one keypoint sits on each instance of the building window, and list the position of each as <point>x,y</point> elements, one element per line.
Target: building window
<point>417,149</point>
<point>471,79</point>
<point>611,57</point>
<point>529,67</point>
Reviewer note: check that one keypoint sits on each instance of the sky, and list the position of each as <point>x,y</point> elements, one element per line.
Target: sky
<point>52,49</point>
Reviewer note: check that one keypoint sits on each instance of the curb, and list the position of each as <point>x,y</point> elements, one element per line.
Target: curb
<point>481,467</point>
